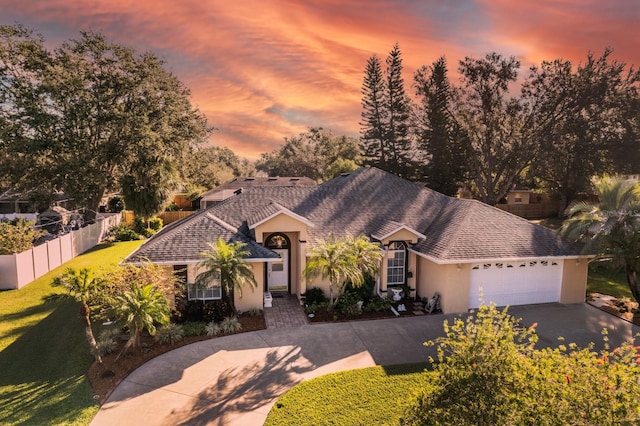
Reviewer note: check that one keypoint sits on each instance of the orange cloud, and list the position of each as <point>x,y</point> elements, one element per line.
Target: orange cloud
<point>262,70</point>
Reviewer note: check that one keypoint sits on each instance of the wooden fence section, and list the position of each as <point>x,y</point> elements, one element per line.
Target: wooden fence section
<point>18,270</point>
<point>167,217</point>
<point>532,211</point>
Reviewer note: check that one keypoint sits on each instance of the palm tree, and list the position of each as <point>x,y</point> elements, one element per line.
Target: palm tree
<point>225,264</point>
<point>141,308</point>
<point>367,254</point>
<point>612,227</point>
<point>334,260</point>
<point>83,287</point>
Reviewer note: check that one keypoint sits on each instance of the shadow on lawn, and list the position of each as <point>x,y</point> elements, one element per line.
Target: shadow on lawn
<point>43,371</point>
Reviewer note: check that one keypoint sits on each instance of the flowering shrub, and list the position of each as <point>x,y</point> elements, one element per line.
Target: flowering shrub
<point>488,372</point>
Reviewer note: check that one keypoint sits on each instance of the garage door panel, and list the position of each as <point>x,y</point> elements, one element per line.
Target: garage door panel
<point>515,283</point>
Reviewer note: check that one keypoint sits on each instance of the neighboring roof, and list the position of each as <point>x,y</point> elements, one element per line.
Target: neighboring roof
<point>375,203</point>
<point>183,241</point>
<point>251,182</point>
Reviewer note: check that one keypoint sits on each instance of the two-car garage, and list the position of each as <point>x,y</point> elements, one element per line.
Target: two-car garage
<point>516,282</point>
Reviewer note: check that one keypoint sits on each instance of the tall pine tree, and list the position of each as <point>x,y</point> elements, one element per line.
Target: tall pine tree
<point>440,142</point>
<point>385,127</point>
<point>374,114</point>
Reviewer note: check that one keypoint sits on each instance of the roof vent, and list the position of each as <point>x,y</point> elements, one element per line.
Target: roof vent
<point>238,191</point>
<point>272,178</point>
<point>344,174</point>
<point>295,179</point>
<point>250,178</point>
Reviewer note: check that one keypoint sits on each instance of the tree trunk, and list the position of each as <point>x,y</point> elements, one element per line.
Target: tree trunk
<point>84,313</point>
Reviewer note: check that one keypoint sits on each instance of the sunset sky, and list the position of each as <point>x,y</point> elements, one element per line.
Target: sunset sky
<point>262,70</point>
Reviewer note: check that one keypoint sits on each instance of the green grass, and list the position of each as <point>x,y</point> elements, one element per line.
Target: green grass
<point>367,396</point>
<point>607,281</point>
<point>43,352</point>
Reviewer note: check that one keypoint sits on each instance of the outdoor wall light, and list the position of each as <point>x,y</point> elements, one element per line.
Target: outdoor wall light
<point>459,267</point>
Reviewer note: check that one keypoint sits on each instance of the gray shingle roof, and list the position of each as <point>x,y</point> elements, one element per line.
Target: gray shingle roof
<point>367,201</point>
<point>184,241</point>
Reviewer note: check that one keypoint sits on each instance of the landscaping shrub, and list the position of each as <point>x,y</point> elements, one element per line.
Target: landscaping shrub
<point>230,325</point>
<point>170,334</point>
<point>314,295</point>
<point>365,291</point>
<point>204,311</point>
<point>108,341</point>
<point>155,224</point>
<point>489,373</point>
<point>194,328</point>
<point>17,235</point>
<point>122,232</point>
<point>347,303</point>
<point>212,329</point>
<point>253,312</point>
<point>377,304</point>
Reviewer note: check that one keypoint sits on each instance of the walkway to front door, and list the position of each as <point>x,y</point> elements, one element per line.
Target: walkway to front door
<point>285,312</point>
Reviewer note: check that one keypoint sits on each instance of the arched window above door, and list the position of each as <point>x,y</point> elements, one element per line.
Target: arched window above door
<point>277,241</point>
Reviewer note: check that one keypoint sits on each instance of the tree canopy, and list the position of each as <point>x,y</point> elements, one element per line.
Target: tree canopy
<point>89,116</point>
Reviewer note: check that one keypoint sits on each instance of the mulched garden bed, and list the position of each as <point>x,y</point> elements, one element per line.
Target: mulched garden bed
<point>622,308</point>
<point>323,315</point>
<point>106,376</point>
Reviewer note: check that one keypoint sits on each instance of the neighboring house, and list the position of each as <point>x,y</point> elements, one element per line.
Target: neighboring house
<point>239,184</point>
<point>463,249</point>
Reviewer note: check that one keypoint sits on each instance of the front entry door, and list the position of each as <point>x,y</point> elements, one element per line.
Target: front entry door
<point>278,272</point>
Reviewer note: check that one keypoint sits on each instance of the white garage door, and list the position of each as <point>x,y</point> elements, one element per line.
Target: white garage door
<point>515,283</point>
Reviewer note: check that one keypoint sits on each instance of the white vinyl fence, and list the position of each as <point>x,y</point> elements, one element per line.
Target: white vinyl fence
<point>18,270</point>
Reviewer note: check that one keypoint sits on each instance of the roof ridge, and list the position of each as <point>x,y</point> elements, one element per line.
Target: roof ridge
<point>221,222</point>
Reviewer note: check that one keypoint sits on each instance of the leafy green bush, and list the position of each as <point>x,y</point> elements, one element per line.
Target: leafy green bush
<point>365,291</point>
<point>230,325</point>
<point>314,295</point>
<point>204,311</point>
<point>348,304</point>
<point>122,232</point>
<point>212,329</point>
<point>489,373</point>
<point>315,307</point>
<point>155,223</point>
<point>192,328</point>
<point>17,235</point>
<point>170,334</point>
<point>253,312</point>
<point>377,304</point>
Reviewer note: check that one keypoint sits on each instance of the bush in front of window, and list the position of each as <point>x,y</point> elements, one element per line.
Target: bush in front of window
<point>194,328</point>
<point>203,310</point>
<point>169,334</point>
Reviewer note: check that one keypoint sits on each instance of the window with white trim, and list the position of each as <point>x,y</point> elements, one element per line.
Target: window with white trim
<point>209,291</point>
<point>396,263</point>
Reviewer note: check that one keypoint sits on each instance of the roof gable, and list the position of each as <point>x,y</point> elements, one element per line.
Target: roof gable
<point>272,210</point>
<point>391,228</point>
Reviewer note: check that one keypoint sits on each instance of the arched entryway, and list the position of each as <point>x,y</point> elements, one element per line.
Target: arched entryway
<point>278,272</point>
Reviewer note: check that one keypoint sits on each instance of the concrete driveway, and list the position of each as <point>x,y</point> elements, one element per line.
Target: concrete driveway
<point>235,380</point>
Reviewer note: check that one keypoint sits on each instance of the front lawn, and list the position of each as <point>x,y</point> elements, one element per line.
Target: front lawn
<point>375,395</point>
<point>606,281</point>
<point>44,356</point>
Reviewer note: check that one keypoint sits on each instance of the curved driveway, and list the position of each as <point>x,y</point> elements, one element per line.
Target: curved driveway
<point>235,380</point>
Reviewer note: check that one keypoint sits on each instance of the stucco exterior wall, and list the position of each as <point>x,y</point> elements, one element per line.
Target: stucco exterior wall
<point>453,285</point>
<point>281,223</point>
<point>401,235</point>
<point>574,281</point>
<point>252,298</point>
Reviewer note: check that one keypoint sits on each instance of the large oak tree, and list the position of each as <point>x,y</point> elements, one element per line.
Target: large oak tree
<point>90,116</point>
